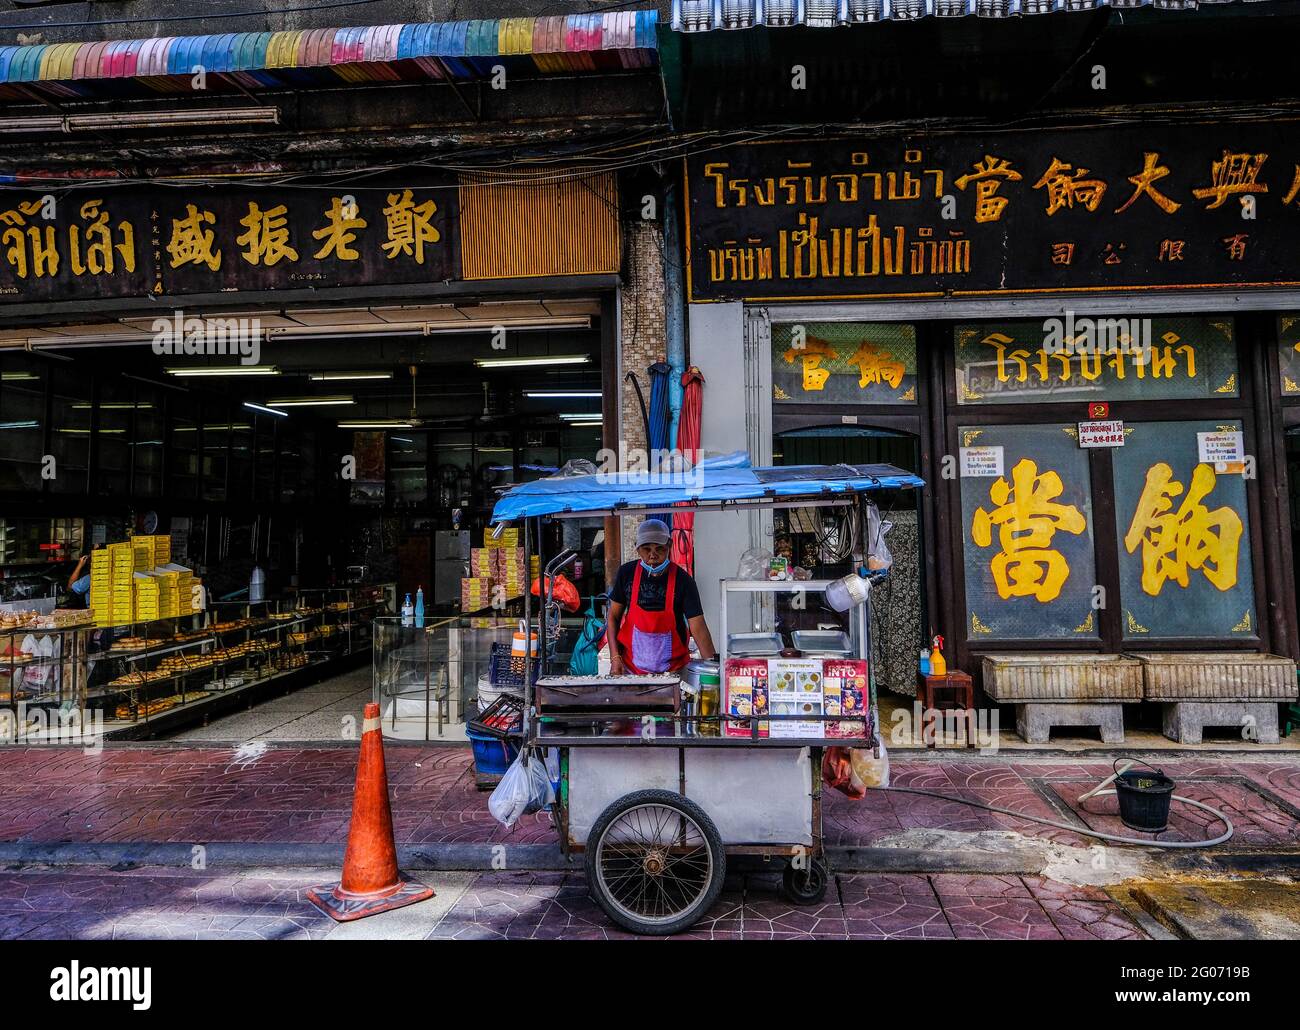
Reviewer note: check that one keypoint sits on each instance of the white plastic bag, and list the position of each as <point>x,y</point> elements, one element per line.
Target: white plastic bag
<point>872,771</point>
<point>525,787</point>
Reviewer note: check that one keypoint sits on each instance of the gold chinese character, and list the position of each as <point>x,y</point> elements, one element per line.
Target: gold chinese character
<point>1027,516</point>
<point>1111,254</point>
<point>877,366</point>
<point>1144,182</point>
<point>988,175</point>
<point>1236,246</point>
<point>191,239</point>
<point>1066,184</point>
<point>339,233</point>
<point>1193,537</point>
<point>1171,250</point>
<point>410,226</point>
<point>1235,173</point>
<point>1062,253</point>
<point>266,235</point>
<point>1295,189</point>
<point>811,354</point>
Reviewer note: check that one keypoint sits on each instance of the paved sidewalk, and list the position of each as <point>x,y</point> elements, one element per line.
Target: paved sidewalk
<point>303,795</point>
<point>271,905</point>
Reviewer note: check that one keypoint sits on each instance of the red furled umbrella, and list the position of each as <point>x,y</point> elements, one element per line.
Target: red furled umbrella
<point>688,444</point>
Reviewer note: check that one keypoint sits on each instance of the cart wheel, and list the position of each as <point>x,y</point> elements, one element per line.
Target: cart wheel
<point>655,862</point>
<point>805,886</point>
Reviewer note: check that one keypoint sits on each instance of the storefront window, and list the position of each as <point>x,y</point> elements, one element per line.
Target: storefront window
<point>1111,359</point>
<point>116,405</point>
<point>70,441</point>
<point>183,465</point>
<point>22,418</point>
<point>147,444</point>
<point>1027,533</point>
<point>408,474</point>
<point>844,363</point>
<point>1184,531</point>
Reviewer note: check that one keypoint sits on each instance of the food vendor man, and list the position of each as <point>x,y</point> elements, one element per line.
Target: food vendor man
<point>655,609</point>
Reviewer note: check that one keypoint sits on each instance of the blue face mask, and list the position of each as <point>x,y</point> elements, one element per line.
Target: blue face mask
<point>654,570</point>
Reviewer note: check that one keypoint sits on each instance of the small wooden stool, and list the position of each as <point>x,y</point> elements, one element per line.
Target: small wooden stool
<point>950,692</point>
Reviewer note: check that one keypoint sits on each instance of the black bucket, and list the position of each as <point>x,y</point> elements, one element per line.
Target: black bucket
<point>1144,799</point>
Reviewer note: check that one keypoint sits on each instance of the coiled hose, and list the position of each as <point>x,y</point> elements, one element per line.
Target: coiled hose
<point>1096,792</point>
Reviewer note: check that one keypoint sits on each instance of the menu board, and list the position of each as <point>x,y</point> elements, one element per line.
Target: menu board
<point>795,687</point>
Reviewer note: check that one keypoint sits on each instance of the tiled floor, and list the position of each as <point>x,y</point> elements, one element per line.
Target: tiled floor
<point>167,793</point>
<point>174,904</point>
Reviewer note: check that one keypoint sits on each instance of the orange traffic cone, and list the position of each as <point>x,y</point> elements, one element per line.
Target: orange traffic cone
<point>371,881</point>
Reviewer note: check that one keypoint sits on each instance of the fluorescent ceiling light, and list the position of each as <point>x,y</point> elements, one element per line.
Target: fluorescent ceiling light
<point>114,406</point>
<point>598,423</point>
<point>18,377</point>
<point>269,411</point>
<point>554,359</point>
<point>468,325</point>
<point>311,402</point>
<point>377,423</point>
<point>19,425</point>
<point>225,370</point>
<point>561,393</point>
<point>86,432</point>
<point>402,439</point>
<point>570,416</point>
<point>329,377</point>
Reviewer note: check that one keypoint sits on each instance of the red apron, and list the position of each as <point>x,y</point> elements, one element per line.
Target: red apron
<point>648,641</point>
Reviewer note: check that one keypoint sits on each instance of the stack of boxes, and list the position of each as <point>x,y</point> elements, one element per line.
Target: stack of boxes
<point>111,580</point>
<point>509,570</point>
<point>136,582</point>
<point>498,563</point>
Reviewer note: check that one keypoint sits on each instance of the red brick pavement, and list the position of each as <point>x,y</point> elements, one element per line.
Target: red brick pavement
<point>164,793</point>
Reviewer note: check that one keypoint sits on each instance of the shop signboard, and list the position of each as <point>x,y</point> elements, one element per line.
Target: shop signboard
<point>1084,210</point>
<point>104,241</point>
<point>1053,360</point>
<point>844,363</point>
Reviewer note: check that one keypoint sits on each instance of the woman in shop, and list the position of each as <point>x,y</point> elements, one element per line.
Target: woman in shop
<point>655,609</point>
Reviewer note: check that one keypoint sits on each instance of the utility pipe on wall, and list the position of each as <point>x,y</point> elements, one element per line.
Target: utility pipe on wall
<point>674,308</point>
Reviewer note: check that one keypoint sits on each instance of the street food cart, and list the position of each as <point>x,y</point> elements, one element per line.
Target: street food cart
<point>657,794</point>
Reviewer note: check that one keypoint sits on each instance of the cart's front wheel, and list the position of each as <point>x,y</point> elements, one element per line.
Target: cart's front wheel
<point>655,862</point>
<point>806,885</point>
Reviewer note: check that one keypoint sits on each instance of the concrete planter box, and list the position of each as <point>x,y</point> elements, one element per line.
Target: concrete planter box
<point>1222,676</point>
<point>1062,678</point>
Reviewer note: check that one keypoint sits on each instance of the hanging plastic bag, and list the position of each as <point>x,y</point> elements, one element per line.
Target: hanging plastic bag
<point>754,564</point>
<point>585,660</point>
<point>878,555</point>
<point>871,771</point>
<point>524,788</point>
<point>565,592</point>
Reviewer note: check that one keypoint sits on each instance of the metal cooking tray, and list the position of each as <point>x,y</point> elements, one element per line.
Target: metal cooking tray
<point>754,645</point>
<point>660,693</point>
<point>822,641</point>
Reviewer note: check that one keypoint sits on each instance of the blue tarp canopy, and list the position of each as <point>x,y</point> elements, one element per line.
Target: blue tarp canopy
<point>714,483</point>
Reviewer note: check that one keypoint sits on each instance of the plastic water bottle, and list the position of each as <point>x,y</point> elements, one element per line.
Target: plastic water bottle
<point>924,664</point>
<point>408,611</point>
<point>419,607</point>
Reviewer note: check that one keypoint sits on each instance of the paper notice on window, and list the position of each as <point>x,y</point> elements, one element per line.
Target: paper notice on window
<point>1224,451</point>
<point>981,461</point>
